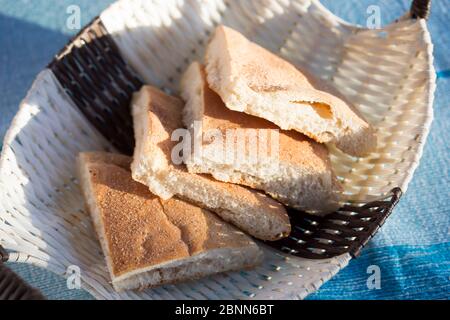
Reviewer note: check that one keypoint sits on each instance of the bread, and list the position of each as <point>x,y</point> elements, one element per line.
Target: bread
<point>156,117</point>
<point>253,80</point>
<point>295,169</point>
<point>148,241</point>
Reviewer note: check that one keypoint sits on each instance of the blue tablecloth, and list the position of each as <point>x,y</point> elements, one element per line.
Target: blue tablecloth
<point>411,250</point>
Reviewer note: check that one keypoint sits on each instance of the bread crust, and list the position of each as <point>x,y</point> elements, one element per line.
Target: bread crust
<point>156,116</point>
<point>298,174</point>
<point>253,80</point>
<point>139,231</point>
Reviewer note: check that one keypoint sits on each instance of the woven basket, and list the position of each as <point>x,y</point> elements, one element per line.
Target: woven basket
<point>80,102</point>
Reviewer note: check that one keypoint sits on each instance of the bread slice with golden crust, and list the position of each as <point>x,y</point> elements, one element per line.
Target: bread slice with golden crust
<point>295,169</point>
<point>148,241</point>
<point>156,117</point>
<point>253,80</point>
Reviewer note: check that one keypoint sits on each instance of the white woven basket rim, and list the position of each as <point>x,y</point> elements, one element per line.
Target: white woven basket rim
<point>17,125</point>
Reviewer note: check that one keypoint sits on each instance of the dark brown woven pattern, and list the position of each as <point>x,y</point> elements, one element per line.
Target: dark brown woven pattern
<point>100,83</point>
<point>4,255</point>
<point>12,287</point>
<point>420,9</point>
<point>346,230</point>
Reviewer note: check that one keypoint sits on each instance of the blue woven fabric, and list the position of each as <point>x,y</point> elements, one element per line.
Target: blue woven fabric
<point>412,248</point>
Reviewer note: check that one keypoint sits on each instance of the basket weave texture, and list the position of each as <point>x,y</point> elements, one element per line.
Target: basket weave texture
<point>386,73</point>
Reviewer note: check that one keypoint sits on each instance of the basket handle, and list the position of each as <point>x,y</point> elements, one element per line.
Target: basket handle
<point>420,9</point>
<point>13,287</point>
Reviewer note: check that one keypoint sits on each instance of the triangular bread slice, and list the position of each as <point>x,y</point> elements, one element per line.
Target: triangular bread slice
<point>156,117</point>
<point>288,165</point>
<point>253,80</point>
<point>149,242</point>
